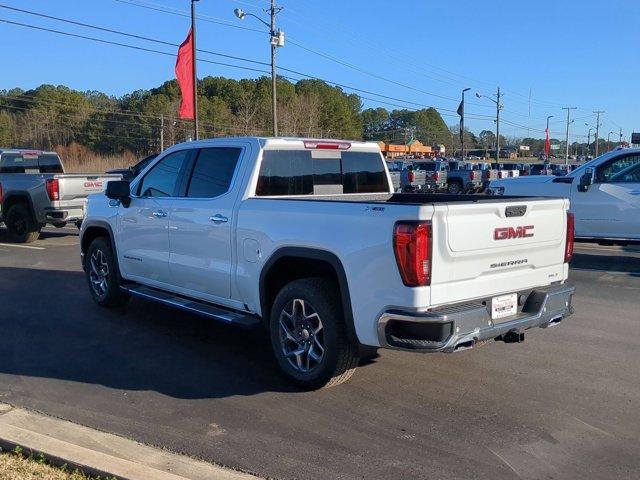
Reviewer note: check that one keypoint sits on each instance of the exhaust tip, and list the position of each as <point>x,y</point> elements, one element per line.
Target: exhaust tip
<point>554,321</point>
<point>464,346</point>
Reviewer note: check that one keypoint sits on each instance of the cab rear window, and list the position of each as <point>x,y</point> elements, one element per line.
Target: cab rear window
<point>300,172</point>
<point>30,163</point>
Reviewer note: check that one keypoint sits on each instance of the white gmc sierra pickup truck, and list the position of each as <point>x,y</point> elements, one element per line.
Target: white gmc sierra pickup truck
<point>307,238</point>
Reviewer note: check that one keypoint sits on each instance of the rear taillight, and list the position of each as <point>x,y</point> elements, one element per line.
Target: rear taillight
<point>501,173</point>
<point>435,176</point>
<point>511,174</point>
<point>411,176</point>
<point>487,174</point>
<point>53,189</point>
<point>568,249</point>
<point>412,245</point>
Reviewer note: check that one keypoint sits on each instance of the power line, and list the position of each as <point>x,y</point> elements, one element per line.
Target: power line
<point>95,39</point>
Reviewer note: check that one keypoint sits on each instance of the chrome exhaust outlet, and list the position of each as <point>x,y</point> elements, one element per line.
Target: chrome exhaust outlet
<point>554,321</point>
<point>464,346</point>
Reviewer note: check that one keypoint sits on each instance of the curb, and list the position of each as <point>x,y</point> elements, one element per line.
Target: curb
<point>100,454</point>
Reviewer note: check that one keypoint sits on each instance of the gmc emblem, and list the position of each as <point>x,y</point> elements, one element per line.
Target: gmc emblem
<point>92,184</point>
<point>506,233</point>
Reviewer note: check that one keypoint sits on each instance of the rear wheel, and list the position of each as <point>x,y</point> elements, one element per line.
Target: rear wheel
<point>454,188</point>
<point>308,335</point>
<point>102,275</point>
<point>21,225</point>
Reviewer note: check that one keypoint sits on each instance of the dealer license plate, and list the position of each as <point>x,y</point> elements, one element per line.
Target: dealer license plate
<point>504,306</point>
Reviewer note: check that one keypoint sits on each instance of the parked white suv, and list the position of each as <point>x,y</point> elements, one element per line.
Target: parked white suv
<point>307,238</point>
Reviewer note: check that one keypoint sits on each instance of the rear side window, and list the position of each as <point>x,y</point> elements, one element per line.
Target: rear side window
<point>30,163</point>
<point>285,172</point>
<point>299,172</point>
<point>213,172</point>
<point>163,178</point>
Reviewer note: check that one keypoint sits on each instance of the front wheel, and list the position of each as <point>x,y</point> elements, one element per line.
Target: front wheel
<point>102,275</point>
<point>308,335</point>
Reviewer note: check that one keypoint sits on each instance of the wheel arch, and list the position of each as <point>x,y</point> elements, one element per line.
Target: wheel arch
<point>92,230</point>
<point>12,197</point>
<point>291,263</point>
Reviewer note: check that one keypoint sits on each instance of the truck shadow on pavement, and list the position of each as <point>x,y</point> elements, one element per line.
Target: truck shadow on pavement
<point>52,329</point>
<point>607,263</point>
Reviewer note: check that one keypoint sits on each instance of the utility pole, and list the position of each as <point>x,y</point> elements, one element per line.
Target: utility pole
<point>620,136</point>
<point>597,112</point>
<point>498,106</point>
<point>566,154</point>
<point>195,75</point>
<point>588,142</point>
<point>161,133</point>
<point>274,44</point>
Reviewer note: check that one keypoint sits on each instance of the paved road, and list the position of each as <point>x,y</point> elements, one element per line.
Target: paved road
<point>565,404</point>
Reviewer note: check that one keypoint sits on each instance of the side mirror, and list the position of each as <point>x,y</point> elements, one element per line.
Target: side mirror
<point>586,180</point>
<point>119,190</point>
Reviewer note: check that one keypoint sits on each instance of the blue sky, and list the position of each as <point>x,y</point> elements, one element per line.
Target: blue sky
<point>580,53</point>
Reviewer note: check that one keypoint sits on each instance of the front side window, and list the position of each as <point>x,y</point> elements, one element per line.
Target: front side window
<point>621,170</point>
<point>213,172</point>
<point>163,178</point>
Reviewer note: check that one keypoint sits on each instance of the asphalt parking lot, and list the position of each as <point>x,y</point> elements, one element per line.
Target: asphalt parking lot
<point>564,404</point>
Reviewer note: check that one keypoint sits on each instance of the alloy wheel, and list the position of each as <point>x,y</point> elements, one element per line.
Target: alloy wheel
<point>99,273</point>
<point>301,336</point>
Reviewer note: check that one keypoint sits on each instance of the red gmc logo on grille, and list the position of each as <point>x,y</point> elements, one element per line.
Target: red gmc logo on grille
<point>505,233</point>
<point>92,184</point>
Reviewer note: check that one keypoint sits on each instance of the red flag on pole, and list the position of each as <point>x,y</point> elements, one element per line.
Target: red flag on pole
<point>547,143</point>
<point>184,75</point>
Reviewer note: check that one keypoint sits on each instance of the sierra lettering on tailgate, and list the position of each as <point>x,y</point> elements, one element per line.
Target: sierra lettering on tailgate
<point>506,233</point>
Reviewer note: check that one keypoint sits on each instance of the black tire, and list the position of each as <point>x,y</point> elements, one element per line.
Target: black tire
<point>339,357</point>
<point>454,188</point>
<point>101,266</point>
<point>21,225</point>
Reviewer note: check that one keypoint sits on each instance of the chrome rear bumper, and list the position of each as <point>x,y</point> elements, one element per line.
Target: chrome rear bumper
<point>458,327</point>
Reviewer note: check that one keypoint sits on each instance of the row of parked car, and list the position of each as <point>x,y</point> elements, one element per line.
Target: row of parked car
<point>455,176</point>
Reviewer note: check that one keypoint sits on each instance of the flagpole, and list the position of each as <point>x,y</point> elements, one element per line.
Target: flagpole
<point>195,76</point>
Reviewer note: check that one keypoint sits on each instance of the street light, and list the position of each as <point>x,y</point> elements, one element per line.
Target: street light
<point>461,112</point>
<point>589,138</point>
<point>276,40</point>
<point>498,107</point>
<point>609,141</point>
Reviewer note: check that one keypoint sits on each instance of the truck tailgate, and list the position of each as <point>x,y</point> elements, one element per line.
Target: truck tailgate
<point>79,186</point>
<point>482,249</point>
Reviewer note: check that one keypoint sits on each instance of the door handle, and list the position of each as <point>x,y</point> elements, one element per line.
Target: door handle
<point>217,219</point>
<point>159,214</point>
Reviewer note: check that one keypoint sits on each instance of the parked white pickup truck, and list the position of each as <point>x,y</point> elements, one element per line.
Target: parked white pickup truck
<point>604,194</point>
<point>34,191</point>
<point>307,238</point>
